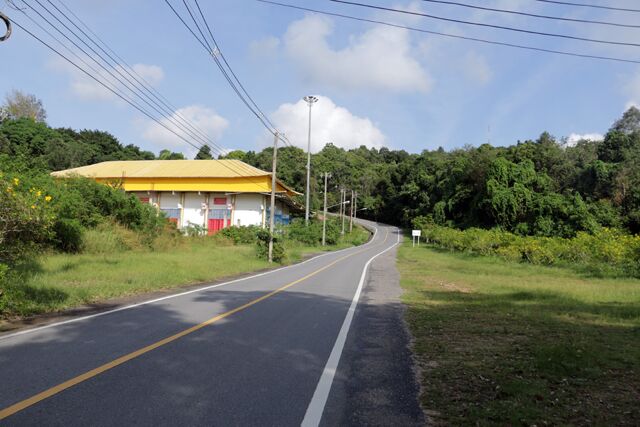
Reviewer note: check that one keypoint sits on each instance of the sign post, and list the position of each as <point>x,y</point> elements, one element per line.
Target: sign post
<point>415,235</point>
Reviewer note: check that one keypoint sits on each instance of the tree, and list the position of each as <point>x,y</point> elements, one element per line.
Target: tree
<point>170,155</point>
<point>628,123</point>
<point>204,153</point>
<point>22,105</point>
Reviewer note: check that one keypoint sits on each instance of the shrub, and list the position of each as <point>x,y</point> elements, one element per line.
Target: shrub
<point>26,218</point>
<point>606,251</point>
<point>311,234</point>
<point>68,234</point>
<point>279,253</point>
<point>241,235</point>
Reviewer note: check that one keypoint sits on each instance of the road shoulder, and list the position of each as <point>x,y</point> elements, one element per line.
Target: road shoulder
<point>376,382</point>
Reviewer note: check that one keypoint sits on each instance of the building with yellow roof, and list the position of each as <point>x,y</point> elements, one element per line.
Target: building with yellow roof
<point>209,193</point>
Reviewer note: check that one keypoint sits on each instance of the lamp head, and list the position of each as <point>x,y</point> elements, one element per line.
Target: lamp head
<point>310,99</point>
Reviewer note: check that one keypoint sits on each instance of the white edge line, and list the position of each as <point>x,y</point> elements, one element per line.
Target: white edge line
<point>152,301</point>
<point>319,400</point>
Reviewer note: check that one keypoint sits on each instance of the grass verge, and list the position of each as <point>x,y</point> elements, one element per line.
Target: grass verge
<point>501,343</point>
<point>58,281</point>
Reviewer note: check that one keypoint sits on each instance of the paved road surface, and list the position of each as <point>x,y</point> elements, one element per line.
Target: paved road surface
<point>282,348</point>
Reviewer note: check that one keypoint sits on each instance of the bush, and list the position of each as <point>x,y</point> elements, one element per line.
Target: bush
<point>279,253</point>
<point>606,251</point>
<point>26,217</point>
<point>68,234</point>
<point>312,234</point>
<point>241,235</point>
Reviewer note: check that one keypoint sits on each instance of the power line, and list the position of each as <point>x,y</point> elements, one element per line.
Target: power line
<point>129,85</point>
<point>482,24</point>
<point>454,36</point>
<point>214,54</point>
<point>532,15</point>
<point>594,6</point>
<point>88,74</point>
<point>167,113</point>
<point>229,66</point>
<point>129,70</point>
<point>111,89</point>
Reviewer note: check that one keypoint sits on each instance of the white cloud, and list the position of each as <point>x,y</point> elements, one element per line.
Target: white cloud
<point>379,59</point>
<point>574,138</point>
<point>330,123</point>
<point>87,88</point>
<point>264,48</point>
<point>204,119</point>
<point>477,68</point>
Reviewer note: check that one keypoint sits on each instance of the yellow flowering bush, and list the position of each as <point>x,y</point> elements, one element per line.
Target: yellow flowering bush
<point>26,219</point>
<point>607,251</point>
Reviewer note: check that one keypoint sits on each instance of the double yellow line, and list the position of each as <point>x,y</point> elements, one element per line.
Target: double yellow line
<point>17,407</point>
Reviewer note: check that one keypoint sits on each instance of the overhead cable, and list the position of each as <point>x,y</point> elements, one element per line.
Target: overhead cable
<point>482,24</point>
<point>214,52</point>
<point>594,6</point>
<point>449,35</point>
<point>532,15</point>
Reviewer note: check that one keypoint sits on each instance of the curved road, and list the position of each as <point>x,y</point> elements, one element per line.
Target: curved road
<point>321,342</point>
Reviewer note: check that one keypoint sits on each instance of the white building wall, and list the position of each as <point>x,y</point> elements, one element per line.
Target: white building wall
<point>248,210</point>
<point>194,209</point>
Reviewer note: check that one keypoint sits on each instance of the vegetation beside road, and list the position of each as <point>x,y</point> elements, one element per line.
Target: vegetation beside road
<point>503,343</point>
<point>115,263</point>
<point>605,252</point>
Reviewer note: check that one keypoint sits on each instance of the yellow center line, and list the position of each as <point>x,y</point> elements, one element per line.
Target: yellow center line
<point>17,407</point>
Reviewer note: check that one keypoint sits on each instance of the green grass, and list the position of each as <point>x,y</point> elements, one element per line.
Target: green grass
<point>60,281</point>
<point>297,251</point>
<point>502,343</point>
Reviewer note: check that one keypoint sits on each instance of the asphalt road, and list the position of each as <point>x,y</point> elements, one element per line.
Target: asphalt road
<point>320,342</point>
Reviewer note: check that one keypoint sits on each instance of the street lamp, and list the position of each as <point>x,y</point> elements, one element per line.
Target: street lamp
<point>338,204</point>
<point>310,100</point>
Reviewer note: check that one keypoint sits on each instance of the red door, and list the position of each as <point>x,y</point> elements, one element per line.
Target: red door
<point>215,225</point>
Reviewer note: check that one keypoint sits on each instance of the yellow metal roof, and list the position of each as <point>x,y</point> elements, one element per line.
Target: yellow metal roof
<point>180,175</point>
<point>165,169</point>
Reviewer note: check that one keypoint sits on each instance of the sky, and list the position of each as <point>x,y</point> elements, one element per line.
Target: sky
<point>377,86</point>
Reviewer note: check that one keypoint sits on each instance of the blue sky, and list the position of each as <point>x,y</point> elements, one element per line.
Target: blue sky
<point>377,85</point>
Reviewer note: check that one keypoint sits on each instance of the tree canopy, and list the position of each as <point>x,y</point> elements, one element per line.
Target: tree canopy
<point>20,105</point>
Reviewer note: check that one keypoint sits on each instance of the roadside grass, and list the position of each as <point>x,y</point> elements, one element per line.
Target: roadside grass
<point>58,281</point>
<point>502,343</point>
<point>297,251</point>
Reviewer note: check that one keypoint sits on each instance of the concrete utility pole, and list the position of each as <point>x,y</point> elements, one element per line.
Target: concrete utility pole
<point>355,208</point>
<point>272,213</point>
<point>324,218</point>
<point>351,213</point>
<point>343,199</point>
<point>310,101</point>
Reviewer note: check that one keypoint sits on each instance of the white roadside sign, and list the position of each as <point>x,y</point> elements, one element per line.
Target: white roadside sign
<point>415,234</point>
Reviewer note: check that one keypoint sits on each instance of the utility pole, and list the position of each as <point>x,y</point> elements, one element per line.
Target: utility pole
<point>272,213</point>
<point>355,206</point>
<point>310,101</point>
<point>351,213</point>
<point>324,217</point>
<point>343,199</point>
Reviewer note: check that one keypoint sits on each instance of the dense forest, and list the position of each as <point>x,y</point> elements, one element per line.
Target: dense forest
<point>544,187</point>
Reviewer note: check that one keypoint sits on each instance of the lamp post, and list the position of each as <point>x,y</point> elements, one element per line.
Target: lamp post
<point>310,100</point>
